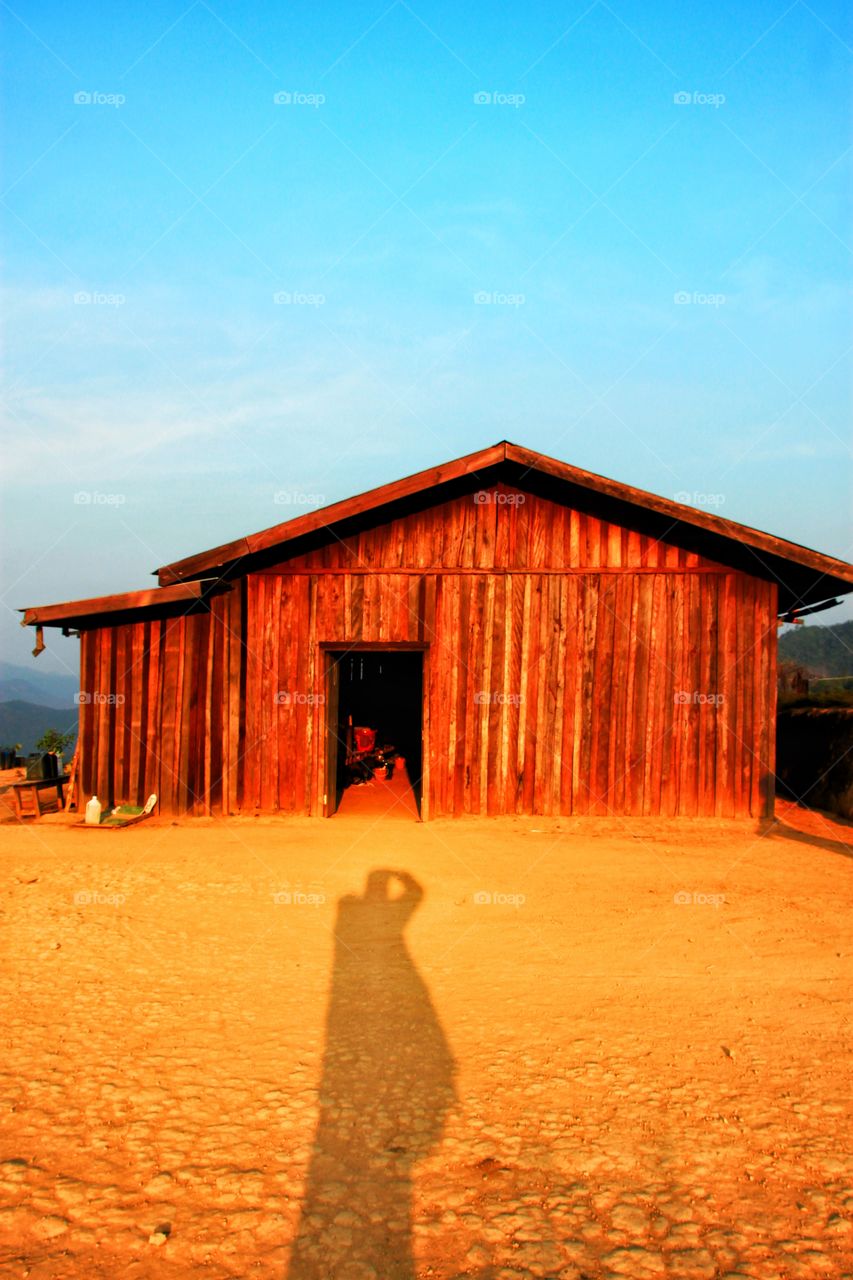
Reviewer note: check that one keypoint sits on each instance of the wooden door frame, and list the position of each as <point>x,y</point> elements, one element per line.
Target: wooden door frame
<point>376,646</point>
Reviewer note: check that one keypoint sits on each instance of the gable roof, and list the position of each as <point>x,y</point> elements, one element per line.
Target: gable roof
<point>825,575</point>
<point>804,576</point>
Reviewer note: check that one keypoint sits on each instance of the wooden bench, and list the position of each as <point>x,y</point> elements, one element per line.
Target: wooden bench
<point>26,794</point>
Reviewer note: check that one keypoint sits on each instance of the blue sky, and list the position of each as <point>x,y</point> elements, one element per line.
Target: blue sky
<point>634,255</point>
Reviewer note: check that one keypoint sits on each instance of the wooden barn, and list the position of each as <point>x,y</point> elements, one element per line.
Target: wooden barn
<point>541,640</point>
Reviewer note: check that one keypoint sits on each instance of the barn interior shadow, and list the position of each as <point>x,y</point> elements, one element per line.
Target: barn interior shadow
<point>386,1087</point>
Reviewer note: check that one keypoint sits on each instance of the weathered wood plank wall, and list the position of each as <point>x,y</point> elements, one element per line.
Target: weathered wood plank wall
<point>160,709</point>
<point>574,667</point>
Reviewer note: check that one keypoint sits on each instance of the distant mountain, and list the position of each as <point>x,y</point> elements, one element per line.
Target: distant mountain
<point>822,650</point>
<point>29,684</point>
<point>25,722</point>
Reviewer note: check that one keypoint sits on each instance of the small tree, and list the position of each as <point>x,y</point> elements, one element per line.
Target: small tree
<point>54,742</point>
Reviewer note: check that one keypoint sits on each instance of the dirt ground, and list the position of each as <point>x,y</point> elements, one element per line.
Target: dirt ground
<point>520,1047</point>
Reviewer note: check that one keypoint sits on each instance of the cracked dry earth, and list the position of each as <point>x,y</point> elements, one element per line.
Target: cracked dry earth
<point>231,1051</point>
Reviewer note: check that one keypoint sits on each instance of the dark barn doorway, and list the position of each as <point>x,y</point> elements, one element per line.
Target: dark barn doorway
<point>381,690</point>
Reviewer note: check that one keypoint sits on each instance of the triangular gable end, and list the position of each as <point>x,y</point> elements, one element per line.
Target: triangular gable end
<point>613,524</point>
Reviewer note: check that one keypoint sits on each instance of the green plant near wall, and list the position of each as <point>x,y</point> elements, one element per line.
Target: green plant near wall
<point>54,742</point>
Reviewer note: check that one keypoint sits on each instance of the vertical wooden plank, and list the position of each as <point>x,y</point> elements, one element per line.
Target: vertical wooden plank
<point>96,785</point>
<point>215,708</point>
<point>192,739</point>
<point>530,706</point>
<point>727,711</point>
<point>755,695</point>
<point>442,695</point>
<point>678,711</point>
<point>223,605</point>
<point>578,800</point>
<point>230,643</point>
<point>299,762</point>
<point>278,746</point>
<point>614,544</point>
<point>551,754</point>
<point>154,717</point>
<point>655,711</point>
<point>741,679</point>
<point>627,675</point>
<point>640,692</point>
<point>183,798</point>
<point>436,714</point>
<point>503,523</point>
<point>622,645</point>
<point>95,777</point>
<point>315,721</point>
<point>602,699</point>
<point>456,654</point>
<point>87,763</point>
<point>490,711</point>
<point>476,710</point>
<point>119,719</point>
<point>543,676</point>
<point>356,606</point>
<point>252,706</point>
<point>263,642</point>
<point>523,631</point>
<point>168,715</point>
<point>239,790</point>
<point>516,589</point>
<point>700,710</point>
<point>709,625</point>
<point>426,737</point>
<point>769,720</point>
<point>133,692</point>
<point>560,604</point>
<point>571,662</point>
<point>499,746</point>
<point>285,664</point>
<point>585,790</point>
<point>664,703</point>
<point>106,645</point>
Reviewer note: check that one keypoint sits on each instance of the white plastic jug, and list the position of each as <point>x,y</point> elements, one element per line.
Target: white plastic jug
<point>93,812</point>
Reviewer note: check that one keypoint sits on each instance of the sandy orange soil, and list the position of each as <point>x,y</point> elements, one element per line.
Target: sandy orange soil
<point>378,1050</point>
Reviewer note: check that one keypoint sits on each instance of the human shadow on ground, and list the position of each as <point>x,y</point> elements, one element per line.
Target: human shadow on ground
<point>387,1085</point>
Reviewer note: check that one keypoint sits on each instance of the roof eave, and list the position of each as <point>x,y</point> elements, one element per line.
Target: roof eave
<point>71,612</point>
